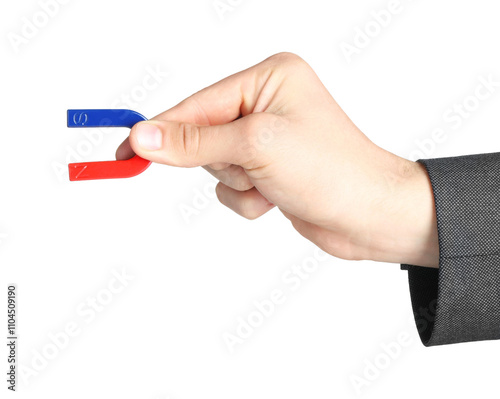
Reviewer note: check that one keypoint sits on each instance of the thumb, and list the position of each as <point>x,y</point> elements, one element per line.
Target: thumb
<point>188,145</point>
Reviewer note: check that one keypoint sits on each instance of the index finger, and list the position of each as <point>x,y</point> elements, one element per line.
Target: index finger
<point>220,103</point>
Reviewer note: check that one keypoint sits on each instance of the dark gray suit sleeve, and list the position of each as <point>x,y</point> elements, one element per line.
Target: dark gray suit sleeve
<point>460,301</point>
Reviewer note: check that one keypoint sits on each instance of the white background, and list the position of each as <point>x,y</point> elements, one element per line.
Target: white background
<point>162,336</point>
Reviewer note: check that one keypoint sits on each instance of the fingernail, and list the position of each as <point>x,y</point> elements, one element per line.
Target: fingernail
<point>148,136</point>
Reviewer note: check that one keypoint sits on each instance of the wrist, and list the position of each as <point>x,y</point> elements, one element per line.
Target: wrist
<point>420,225</point>
<point>408,234</point>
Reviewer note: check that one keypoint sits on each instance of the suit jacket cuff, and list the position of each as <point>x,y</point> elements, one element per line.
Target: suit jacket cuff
<point>460,301</point>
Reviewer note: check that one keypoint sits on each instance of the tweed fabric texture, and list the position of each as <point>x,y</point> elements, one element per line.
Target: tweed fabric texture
<point>460,301</point>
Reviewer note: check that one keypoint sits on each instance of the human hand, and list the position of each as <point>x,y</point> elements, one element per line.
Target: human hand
<point>274,136</point>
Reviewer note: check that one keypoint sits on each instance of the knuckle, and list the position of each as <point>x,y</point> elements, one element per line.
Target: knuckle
<point>286,56</point>
<point>288,59</point>
<point>247,209</point>
<point>250,215</point>
<point>235,178</point>
<point>241,181</point>
<point>240,184</point>
<point>218,167</point>
<point>340,247</point>
<point>218,192</point>
<point>189,140</point>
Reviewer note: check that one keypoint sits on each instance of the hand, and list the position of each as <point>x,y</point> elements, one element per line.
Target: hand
<point>274,136</point>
